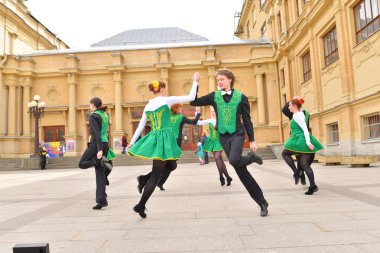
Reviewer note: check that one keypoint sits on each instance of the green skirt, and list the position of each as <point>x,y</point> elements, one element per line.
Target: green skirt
<point>297,143</point>
<point>212,145</point>
<point>157,145</point>
<point>110,155</point>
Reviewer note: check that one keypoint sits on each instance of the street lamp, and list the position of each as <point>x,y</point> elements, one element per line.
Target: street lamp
<point>36,109</point>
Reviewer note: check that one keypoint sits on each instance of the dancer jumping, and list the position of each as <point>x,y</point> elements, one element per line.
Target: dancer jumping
<point>160,144</point>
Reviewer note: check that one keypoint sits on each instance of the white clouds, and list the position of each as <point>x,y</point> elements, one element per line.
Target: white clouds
<point>81,23</point>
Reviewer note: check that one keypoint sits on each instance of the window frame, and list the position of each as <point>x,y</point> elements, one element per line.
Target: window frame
<point>367,125</point>
<point>330,48</point>
<point>333,134</point>
<point>306,72</point>
<point>371,23</point>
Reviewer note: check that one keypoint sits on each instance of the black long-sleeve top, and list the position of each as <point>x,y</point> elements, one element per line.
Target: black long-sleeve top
<point>289,114</point>
<point>243,111</point>
<point>95,127</point>
<point>184,121</point>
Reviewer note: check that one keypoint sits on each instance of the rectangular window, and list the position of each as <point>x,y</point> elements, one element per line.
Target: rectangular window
<point>306,66</point>
<point>333,133</point>
<point>330,43</point>
<point>367,19</point>
<point>371,126</point>
<point>263,29</point>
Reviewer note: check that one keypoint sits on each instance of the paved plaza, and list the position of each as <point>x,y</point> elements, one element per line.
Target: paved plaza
<point>194,214</point>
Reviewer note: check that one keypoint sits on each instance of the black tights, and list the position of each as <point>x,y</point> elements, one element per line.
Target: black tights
<point>159,167</point>
<point>220,164</point>
<point>305,160</point>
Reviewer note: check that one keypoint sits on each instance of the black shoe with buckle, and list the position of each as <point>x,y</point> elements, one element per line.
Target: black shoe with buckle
<point>99,206</point>
<point>311,190</point>
<point>264,209</point>
<point>140,210</point>
<point>255,158</point>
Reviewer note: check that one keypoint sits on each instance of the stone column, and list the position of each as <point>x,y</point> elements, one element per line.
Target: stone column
<point>315,75</point>
<point>260,99</point>
<point>165,78</point>
<point>3,105</point>
<point>26,117</point>
<point>118,106</point>
<point>345,56</point>
<point>11,108</point>
<point>72,111</point>
<point>211,79</point>
<point>19,110</point>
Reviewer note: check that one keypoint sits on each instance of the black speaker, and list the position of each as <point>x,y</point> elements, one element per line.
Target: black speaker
<point>31,248</point>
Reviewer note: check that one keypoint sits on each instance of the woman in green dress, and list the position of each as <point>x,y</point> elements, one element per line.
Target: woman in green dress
<point>160,144</point>
<point>213,145</point>
<point>301,142</point>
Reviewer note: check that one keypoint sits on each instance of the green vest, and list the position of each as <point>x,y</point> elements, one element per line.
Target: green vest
<point>176,120</point>
<point>227,111</point>
<point>104,130</point>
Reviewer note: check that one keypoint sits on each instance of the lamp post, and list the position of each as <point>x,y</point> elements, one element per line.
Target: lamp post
<point>36,109</point>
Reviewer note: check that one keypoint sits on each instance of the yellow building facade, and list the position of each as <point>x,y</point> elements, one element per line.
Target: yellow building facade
<point>328,53</point>
<point>311,48</point>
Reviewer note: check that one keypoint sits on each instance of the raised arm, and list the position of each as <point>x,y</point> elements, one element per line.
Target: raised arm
<point>287,112</point>
<point>184,99</point>
<point>139,129</point>
<point>194,121</point>
<point>205,122</point>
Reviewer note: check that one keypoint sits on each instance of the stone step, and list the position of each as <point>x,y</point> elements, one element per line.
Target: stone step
<point>121,160</point>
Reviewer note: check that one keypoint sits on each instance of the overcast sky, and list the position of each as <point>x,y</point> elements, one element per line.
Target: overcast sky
<point>80,23</point>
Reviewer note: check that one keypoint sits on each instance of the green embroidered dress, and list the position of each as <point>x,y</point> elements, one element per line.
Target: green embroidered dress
<point>160,143</point>
<point>297,140</point>
<point>212,142</point>
<point>104,132</point>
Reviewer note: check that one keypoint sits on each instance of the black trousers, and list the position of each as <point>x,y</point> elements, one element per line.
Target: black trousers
<point>88,160</point>
<point>43,162</point>
<point>233,146</point>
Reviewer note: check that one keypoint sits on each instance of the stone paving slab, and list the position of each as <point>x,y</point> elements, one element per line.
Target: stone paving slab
<point>194,213</point>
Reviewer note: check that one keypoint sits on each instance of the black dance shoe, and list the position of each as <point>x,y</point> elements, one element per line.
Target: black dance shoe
<point>296,178</point>
<point>255,158</point>
<point>99,206</point>
<point>140,210</point>
<point>229,180</point>
<point>106,164</point>
<point>311,190</point>
<point>161,187</point>
<point>264,209</point>
<point>303,178</point>
<point>222,181</point>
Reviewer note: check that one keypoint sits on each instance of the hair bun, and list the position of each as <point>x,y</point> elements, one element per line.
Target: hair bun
<point>301,101</point>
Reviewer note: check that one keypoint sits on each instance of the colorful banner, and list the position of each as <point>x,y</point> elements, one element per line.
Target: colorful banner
<point>52,149</point>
